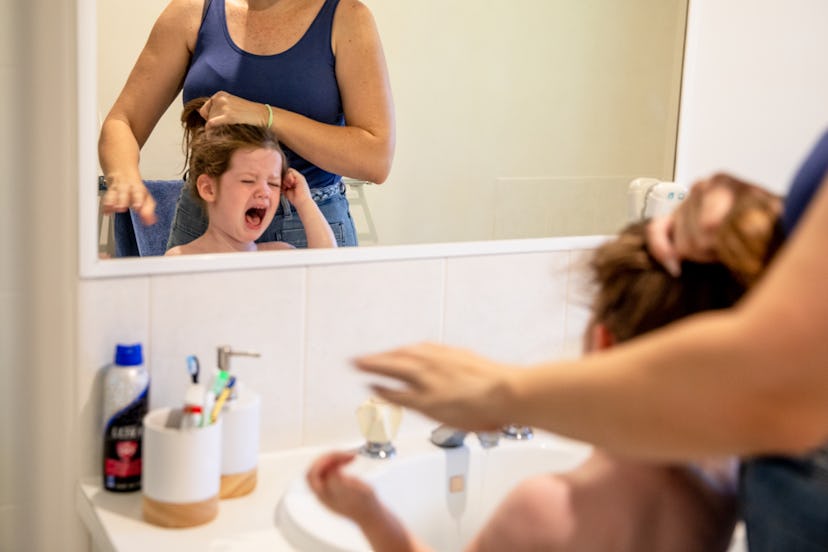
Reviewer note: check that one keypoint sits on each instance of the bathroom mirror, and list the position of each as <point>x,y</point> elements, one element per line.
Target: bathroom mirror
<point>515,120</point>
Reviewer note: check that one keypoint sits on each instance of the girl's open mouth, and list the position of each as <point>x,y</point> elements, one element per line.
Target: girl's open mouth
<point>254,216</point>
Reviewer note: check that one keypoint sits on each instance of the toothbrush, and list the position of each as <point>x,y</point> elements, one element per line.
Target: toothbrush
<point>222,398</point>
<point>193,401</point>
<point>193,367</point>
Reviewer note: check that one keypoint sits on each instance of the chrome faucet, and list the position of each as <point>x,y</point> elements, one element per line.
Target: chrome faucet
<point>449,437</point>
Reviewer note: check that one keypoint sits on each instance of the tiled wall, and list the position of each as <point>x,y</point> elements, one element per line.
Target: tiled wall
<point>308,322</point>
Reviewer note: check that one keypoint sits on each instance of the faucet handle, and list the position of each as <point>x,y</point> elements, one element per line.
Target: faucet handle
<point>379,420</point>
<point>517,432</point>
<point>378,423</point>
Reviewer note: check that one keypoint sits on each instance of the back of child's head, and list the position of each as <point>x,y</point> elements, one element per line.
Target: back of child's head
<point>635,294</point>
<point>208,151</point>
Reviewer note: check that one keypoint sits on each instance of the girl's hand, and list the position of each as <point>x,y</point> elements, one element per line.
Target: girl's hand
<point>224,108</point>
<point>345,495</point>
<point>296,189</point>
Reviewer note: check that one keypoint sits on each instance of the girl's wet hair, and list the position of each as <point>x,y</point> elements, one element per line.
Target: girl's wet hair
<point>634,294</point>
<point>208,151</point>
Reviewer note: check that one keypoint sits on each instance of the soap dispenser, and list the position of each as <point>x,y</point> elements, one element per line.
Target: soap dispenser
<point>240,414</point>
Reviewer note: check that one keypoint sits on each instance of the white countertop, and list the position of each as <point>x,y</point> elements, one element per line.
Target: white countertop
<point>244,524</point>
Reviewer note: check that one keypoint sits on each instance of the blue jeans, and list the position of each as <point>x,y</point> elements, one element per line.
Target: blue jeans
<point>785,503</point>
<point>190,221</point>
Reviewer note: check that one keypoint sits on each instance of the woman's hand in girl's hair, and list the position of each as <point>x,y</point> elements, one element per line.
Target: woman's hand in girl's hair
<point>690,231</point>
<point>295,188</point>
<point>224,108</point>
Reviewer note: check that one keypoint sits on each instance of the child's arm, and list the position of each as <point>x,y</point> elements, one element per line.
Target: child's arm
<point>352,498</point>
<point>317,229</point>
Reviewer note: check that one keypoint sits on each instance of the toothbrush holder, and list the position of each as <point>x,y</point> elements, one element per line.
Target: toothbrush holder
<point>181,470</point>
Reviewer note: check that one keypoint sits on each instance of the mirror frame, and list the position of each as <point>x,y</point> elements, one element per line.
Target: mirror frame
<point>90,266</point>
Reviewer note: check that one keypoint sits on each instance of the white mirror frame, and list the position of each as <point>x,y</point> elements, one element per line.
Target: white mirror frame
<point>90,266</point>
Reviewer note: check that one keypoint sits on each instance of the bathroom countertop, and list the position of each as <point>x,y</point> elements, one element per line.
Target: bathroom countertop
<point>243,524</point>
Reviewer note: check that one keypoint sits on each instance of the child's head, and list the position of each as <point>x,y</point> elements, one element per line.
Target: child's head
<point>210,151</point>
<point>635,294</point>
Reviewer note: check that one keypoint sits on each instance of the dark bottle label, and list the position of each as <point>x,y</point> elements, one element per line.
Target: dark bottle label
<point>122,447</point>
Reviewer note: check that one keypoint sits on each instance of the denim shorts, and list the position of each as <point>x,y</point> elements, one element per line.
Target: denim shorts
<point>785,503</point>
<point>190,220</point>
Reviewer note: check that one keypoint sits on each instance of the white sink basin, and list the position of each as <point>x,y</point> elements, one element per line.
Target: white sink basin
<point>442,495</point>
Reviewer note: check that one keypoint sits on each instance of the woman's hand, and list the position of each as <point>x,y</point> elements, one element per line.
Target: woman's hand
<point>224,108</point>
<point>129,194</point>
<point>694,231</point>
<point>689,232</point>
<point>453,386</point>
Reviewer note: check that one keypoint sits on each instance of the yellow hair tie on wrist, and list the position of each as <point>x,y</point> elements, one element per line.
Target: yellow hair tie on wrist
<point>269,115</point>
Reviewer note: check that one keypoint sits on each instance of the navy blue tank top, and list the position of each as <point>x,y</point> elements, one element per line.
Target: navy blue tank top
<point>806,182</point>
<point>301,79</point>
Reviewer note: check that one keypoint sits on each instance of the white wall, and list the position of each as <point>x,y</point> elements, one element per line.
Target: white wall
<point>753,96</point>
<point>38,278</point>
<point>308,322</point>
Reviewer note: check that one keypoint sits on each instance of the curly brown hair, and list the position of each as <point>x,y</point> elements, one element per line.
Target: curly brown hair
<point>635,294</point>
<point>208,151</point>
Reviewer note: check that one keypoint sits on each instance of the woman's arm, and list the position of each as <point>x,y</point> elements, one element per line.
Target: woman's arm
<point>152,85</point>
<point>753,379</point>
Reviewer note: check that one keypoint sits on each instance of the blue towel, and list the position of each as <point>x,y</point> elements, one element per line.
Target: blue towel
<point>133,238</point>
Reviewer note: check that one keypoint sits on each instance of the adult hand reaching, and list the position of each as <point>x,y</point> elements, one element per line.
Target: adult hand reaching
<point>123,194</point>
<point>453,386</point>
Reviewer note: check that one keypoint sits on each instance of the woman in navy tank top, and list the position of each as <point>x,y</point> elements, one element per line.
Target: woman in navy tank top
<point>314,70</point>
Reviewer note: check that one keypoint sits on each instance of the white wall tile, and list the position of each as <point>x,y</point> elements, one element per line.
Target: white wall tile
<point>508,307</point>
<point>358,309</point>
<point>256,310</point>
<point>109,312</point>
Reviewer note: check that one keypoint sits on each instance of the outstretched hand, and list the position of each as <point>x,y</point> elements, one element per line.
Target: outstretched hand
<point>453,386</point>
<point>346,495</point>
<point>129,194</point>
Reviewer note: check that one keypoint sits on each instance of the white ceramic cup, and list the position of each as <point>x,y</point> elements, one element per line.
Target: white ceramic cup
<point>180,466</point>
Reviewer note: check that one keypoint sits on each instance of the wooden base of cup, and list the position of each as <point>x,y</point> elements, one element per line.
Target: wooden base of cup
<point>238,484</point>
<point>167,514</point>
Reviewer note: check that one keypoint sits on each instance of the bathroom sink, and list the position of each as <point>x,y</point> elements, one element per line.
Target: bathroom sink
<point>442,495</point>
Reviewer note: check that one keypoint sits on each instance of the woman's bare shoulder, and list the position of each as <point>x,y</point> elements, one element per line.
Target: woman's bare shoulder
<point>352,16</point>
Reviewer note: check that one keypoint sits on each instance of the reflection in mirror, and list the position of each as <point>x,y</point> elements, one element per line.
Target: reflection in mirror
<point>514,120</point>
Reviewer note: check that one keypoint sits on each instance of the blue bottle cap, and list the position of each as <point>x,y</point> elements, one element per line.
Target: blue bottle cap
<point>128,355</point>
